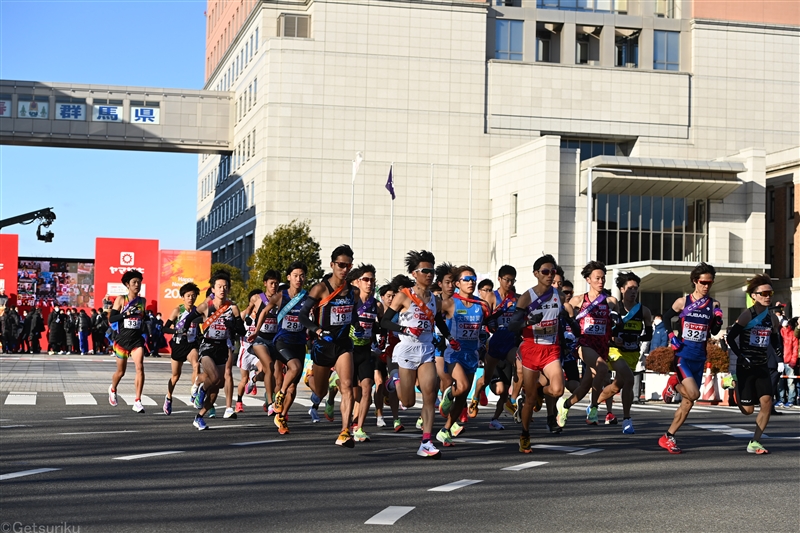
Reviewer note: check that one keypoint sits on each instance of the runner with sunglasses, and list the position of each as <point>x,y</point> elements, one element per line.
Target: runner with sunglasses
<point>446,286</point>
<point>756,329</point>
<point>691,319</point>
<point>596,318</point>
<point>466,315</point>
<point>334,302</point>
<point>537,317</point>
<point>418,309</point>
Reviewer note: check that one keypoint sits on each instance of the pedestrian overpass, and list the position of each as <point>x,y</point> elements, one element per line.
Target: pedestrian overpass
<point>70,115</point>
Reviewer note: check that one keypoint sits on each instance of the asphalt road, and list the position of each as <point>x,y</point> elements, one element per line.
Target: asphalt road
<point>240,475</point>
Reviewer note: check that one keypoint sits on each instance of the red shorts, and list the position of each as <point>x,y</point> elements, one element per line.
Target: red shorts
<point>537,356</point>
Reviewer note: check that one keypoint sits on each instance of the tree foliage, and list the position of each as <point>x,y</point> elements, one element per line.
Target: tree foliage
<point>238,293</point>
<point>286,244</point>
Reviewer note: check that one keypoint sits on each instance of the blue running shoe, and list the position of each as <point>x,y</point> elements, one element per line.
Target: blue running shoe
<point>212,413</point>
<point>199,423</point>
<point>627,427</point>
<point>200,397</point>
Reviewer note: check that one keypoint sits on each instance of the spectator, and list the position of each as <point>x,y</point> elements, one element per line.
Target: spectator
<point>36,329</point>
<point>84,331</point>
<point>76,328</point>
<point>69,326</point>
<point>55,336</point>
<point>10,330</point>
<point>786,384</point>
<point>96,335</point>
<point>660,338</point>
<point>25,333</point>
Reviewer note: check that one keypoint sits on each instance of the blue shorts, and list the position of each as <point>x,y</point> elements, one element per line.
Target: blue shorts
<point>468,359</point>
<point>690,368</point>
<point>502,342</point>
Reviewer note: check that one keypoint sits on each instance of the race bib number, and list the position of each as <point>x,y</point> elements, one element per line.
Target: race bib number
<point>468,331</point>
<point>594,326</point>
<point>291,323</point>
<point>545,331</point>
<point>695,332</point>
<point>367,320</point>
<point>760,337</point>
<point>191,333</point>
<point>270,325</point>
<point>341,315</point>
<point>504,320</point>
<point>132,323</point>
<point>217,332</point>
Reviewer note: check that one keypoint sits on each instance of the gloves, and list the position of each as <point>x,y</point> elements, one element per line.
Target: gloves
<point>674,342</point>
<point>535,319</point>
<point>248,321</point>
<point>454,344</point>
<point>781,366</point>
<point>616,323</point>
<point>416,332</point>
<point>718,316</point>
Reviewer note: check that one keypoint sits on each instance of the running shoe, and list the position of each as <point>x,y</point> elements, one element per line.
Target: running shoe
<point>239,407</point>
<point>194,391</point>
<point>427,449</point>
<point>668,443</point>
<point>473,408</point>
<point>344,439</point>
<point>314,416</point>
<point>329,411</point>
<point>229,413</point>
<point>611,419</point>
<point>212,413</point>
<point>277,405</point>
<point>627,426</point>
<point>360,435</point>
<point>250,388</point>
<point>265,407</point>
<point>447,402</point>
<point>281,423</point>
<point>199,423</point>
<point>518,410</point>
<point>464,416</point>
<point>756,448</point>
<point>332,380</point>
<point>727,382</point>
<point>271,409</point>
<point>483,399</point>
<point>495,424</point>
<point>563,412</point>
<point>398,427</point>
<point>445,438</point>
<point>394,379</point>
<point>591,415</point>
<point>419,424</point>
<point>537,404</point>
<point>552,424</point>
<point>456,429</point>
<point>199,397</point>
<point>138,407</point>
<point>167,405</point>
<point>524,444</point>
<point>112,397</point>
<point>509,407</point>
<point>380,422</point>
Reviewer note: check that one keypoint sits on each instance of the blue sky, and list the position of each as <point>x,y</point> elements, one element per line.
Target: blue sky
<point>157,44</point>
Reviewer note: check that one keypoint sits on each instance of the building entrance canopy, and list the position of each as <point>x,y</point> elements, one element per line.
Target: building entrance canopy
<point>673,276</point>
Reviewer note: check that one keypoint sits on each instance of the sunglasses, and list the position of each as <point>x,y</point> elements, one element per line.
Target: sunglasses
<point>342,265</point>
<point>469,278</point>
<point>508,280</point>
<point>547,271</point>
<point>764,293</point>
<point>705,282</point>
<point>367,280</point>
<point>426,271</point>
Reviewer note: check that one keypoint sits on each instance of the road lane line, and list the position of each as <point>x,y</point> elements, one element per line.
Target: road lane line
<point>100,432</point>
<point>79,398</point>
<point>390,515</point>
<point>129,398</point>
<point>524,466</point>
<point>455,485</point>
<point>255,442</point>
<point>15,426</point>
<point>146,455</point>
<point>478,441</point>
<point>587,451</point>
<point>556,448</point>
<point>85,417</point>
<point>21,398</point>
<point>27,473</point>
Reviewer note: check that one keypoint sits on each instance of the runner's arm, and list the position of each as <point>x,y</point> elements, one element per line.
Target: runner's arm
<point>647,334</point>
<point>305,314</point>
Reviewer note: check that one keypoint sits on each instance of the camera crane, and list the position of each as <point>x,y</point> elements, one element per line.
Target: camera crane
<point>46,216</point>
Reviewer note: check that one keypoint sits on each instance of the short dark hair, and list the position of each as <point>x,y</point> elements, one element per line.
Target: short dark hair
<point>254,292</point>
<point>484,283</point>
<point>444,269</point>
<point>401,281</point>
<point>567,283</point>
<point>547,258</point>
<point>189,287</point>
<point>219,275</point>
<point>386,287</point>
<point>624,277</point>
<point>560,271</point>
<point>342,249</point>
<point>364,268</point>
<point>756,281</point>
<point>414,258</point>
<point>590,267</point>
<point>507,270</point>
<point>295,265</point>
<point>700,269</point>
<point>271,274</point>
<point>131,275</point>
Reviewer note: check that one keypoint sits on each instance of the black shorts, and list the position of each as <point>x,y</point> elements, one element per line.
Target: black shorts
<point>752,383</point>
<point>272,350</point>
<point>180,352</point>
<point>287,351</point>
<point>571,370</point>
<point>363,363</point>
<point>380,366</point>
<point>327,353</point>
<point>129,340</point>
<point>503,372</point>
<point>218,351</point>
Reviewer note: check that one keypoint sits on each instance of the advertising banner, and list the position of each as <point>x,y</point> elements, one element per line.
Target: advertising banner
<point>179,267</point>
<point>50,282</point>
<point>114,257</point>
<point>9,255</point>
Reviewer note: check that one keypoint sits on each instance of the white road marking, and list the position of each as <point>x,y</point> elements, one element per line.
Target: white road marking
<point>79,398</point>
<point>390,515</point>
<point>15,426</point>
<point>145,455</point>
<point>226,426</point>
<point>556,448</point>
<point>478,441</point>
<point>255,442</point>
<point>99,432</point>
<point>185,399</point>
<point>455,485</point>
<point>21,398</point>
<point>524,466</point>
<point>251,401</point>
<point>27,473</point>
<point>587,451</point>
<point>305,403</point>
<point>129,398</point>
<point>85,417</point>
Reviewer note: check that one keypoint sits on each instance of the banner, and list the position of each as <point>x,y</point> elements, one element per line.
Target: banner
<point>9,246</point>
<point>50,282</point>
<point>114,257</point>
<point>179,267</point>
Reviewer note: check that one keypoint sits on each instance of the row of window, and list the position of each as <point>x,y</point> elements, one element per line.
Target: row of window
<point>789,203</point>
<point>663,8</point>
<point>228,210</point>
<point>246,100</point>
<point>244,150</point>
<point>215,177</point>
<point>238,62</point>
<point>236,253</point>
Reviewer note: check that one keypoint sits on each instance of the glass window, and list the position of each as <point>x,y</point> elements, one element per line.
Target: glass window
<point>627,48</point>
<point>666,50</point>
<point>665,8</point>
<point>617,6</point>
<point>790,200</point>
<point>508,40</point>
<point>543,46</point>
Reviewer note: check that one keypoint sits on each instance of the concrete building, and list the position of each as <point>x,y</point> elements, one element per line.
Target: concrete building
<point>498,121</point>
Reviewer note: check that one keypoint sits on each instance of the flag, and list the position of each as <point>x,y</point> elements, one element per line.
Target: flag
<point>390,184</point>
<point>357,163</point>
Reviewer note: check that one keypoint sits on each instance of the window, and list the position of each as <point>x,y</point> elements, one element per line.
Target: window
<point>771,260</point>
<point>254,142</point>
<point>592,148</point>
<point>603,6</point>
<point>543,46</point>
<point>255,89</point>
<point>626,43</point>
<point>256,43</point>
<point>508,40</point>
<point>294,25</point>
<point>790,201</point>
<point>771,205</point>
<point>665,8</point>
<point>666,50</point>
<point>515,213</point>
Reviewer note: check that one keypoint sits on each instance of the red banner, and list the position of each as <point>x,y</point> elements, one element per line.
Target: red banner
<point>9,252</point>
<point>114,257</point>
<point>179,267</point>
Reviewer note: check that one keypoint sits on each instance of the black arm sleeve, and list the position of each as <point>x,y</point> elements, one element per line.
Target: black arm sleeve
<point>168,327</point>
<point>238,326</point>
<point>519,320</point>
<point>386,321</point>
<point>777,344</point>
<point>733,343</point>
<point>305,315</point>
<point>647,335</point>
<point>716,325</point>
<point>442,325</point>
<point>115,316</point>
<point>668,316</point>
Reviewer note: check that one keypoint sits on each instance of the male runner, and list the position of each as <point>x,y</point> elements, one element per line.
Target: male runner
<point>262,345</point>
<point>386,294</point>
<point>183,347</point>
<point>369,314</point>
<point>128,314</point>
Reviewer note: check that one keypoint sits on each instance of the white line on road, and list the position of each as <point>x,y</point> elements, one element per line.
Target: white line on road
<point>305,403</point>
<point>556,448</point>
<point>524,466</point>
<point>455,485</point>
<point>226,426</point>
<point>129,398</point>
<point>250,401</point>
<point>587,451</point>
<point>389,516</point>
<point>27,473</point>
<point>478,441</point>
<point>185,399</point>
<point>21,398</point>
<point>85,417</point>
<point>79,398</point>
<point>145,455</point>
<point>15,426</point>
<point>255,442</point>
<point>99,432</point>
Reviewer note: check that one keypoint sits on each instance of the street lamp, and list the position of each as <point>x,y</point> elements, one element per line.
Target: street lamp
<point>590,207</point>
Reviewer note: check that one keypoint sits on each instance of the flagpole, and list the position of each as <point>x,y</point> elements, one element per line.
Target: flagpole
<point>469,224</point>
<point>430,218</point>
<point>352,200</point>
<point>391,229</point>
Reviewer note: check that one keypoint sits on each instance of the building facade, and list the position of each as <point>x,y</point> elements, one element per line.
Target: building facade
<point>499,121</point>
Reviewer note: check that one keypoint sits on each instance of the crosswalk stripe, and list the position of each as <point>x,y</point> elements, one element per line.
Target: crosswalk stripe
<point>79,398</point>
<point>523,466</point>
<point>390,515</point>
<point>129,399</point>
<point>21,398</point>
<point>455,485</point>
<point>587,451</point>
<point>27,473</point>
<point>185,399</point>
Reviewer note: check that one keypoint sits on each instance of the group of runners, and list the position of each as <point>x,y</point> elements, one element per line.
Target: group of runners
<point>429,331</point>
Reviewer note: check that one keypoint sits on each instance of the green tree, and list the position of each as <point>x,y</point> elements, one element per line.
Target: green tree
<point>286,244</point>
<point>238,293</point>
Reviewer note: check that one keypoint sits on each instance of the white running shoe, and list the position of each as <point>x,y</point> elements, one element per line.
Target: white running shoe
<point>427,449</point>
<point>495,424</point>
<point>380,422</point>
<point>229,413</point>
<point>138,407</point>
<point>112,397</point>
